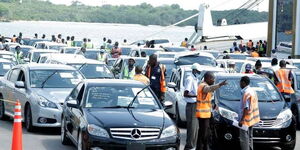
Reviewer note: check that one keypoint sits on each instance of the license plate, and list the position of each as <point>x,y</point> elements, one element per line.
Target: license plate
<point>135,146</point>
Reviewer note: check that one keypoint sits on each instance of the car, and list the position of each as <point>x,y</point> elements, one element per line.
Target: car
<point>189,58</point>
<point>90,69</point>
<point>5,66</point>
<point>41,90</point>
<point>90,53</point>
<point>169,64</point>
<point>117,114</point>
<point>9,56</point>
<point>262,59</point>
<point>148,51</point>
<point>294,62</point>
<point>223,63</point>
<point>69,50</point>
<point>175,49</point>
<point>294,99</point>
<point>234,56</point>
<point>175,90</point>
<point>121,62</point>
<point>32,42</point>
<point>166,54</point>
<point>125,50</point>
<point>49,45</point>
<point>277,125</point>
<point>285,47</point>
<point>34,55</point>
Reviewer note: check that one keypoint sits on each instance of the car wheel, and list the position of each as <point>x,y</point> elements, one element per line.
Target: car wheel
<point>2,110</point>
<point>80,144</point>
<point>290,146</point>
<point>178,120</point>
<point>28,119</point>
<point>64,138</point>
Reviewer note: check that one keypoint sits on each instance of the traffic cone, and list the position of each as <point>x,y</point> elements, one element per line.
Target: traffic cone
<point>17,129</point>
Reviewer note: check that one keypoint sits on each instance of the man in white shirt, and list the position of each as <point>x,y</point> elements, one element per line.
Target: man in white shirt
<point>190,94</point>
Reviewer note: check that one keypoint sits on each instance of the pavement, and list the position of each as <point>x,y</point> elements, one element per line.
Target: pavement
<point>49,138</point>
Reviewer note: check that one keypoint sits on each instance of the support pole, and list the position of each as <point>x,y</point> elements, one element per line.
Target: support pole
<point>272,25</point>
<point>296,29</point>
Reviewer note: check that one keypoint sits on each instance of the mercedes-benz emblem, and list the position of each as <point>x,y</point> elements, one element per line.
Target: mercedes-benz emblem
<point>136,133</point>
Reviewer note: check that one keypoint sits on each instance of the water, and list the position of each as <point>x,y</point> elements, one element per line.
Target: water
<point>94,31</point>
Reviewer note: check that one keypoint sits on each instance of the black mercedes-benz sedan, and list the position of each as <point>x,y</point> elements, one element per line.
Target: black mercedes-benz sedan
<point>277,126</point>
<point>117,114</point>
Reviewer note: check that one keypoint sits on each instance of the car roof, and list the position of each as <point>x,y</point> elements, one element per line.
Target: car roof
<point>43,50</point>
<point>199,53</point>
<point>114,82</point>
<point>36,66</point>
<point>5,60</point>
<point>6,52</point>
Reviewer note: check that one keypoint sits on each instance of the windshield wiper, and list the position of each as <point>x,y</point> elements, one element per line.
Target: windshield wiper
<point>118,106</point>
<point>43,84</point>
<point>81,66</point>
<point>133,100</point>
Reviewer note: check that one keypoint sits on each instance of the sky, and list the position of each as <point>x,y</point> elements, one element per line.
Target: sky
<point>185,4</point>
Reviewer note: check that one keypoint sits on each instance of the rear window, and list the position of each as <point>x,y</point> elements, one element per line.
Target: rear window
<point>160,41</point>
<point>202,60</point>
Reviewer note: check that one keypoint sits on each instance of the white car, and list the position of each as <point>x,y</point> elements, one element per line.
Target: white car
<point>34,55</point>
<point>284,47</point>
<point>176,89</point>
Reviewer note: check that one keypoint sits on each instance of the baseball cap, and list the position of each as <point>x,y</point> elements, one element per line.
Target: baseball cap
<point>248,67</point>
<point>196,66</point>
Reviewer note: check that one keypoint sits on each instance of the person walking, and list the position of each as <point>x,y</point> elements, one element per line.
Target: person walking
<point>190,94</point>
<point>156,73</point>
<point>139,76</point>
<point>129,71</point>
<point>283,79</point>
<point>248,113</point>
<point>203,112</point>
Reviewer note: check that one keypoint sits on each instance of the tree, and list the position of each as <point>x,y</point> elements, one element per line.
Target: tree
<point>3,11</point>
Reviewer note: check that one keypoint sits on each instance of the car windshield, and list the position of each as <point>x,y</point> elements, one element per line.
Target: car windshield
<point>70,50</point>
<point>166,55</point>
<point>175,49</point>
<point>55,78</point>
<point>94,71</point>
<point>264,89</point>
<point>8,57</point>
<point>241,57</point>
<point>202,60</point>
<point>126,50</point>
<point>120,95</point>
<point>4,67</point>
<point>36,56</point>
<point>25,51</point>
<point>91,54</point>
<point>138,62</point>
<point>149,51</point>
<point>56,47</point>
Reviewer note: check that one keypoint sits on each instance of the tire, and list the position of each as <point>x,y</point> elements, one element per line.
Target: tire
<point>28,119</point>
<point>178,120</point>
<point>2,110</point>
<point>64,138</point>
<point>80,143</point>
<point>290,146</point>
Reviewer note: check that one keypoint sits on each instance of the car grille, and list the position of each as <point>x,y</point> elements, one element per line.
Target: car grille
<point>135,133</point>
<point>266,123</point>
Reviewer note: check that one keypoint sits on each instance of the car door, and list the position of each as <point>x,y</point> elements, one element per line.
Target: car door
<point>179,93</point>
<point>10,90</point>
<point>21,94</point>
<point>77,113</point>
<point>170,95</point>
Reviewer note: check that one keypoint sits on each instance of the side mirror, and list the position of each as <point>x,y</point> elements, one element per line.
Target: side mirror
<point>168,104</point>
<point>19,84</point>
<point>72,104</point>
<point>171,85</point>
<point>26,59</point>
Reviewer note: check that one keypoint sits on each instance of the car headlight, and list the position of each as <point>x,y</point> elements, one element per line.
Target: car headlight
<point>169,131</point>
<point>228,114</point>
<point>46,103</point>
<point>97,131</point>
<point>283,118</point>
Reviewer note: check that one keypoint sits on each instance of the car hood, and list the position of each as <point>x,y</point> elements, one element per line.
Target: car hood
<point>267,110</point>
<point>57,95</point>
<point>118,118</point>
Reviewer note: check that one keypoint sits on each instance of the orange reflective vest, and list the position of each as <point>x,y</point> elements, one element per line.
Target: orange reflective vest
<point>254,54</point>
<point>284,85</point>
<point>163,88</point>
<point>252,114</point>
<point>203,103</point>
<point>141,78</point>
